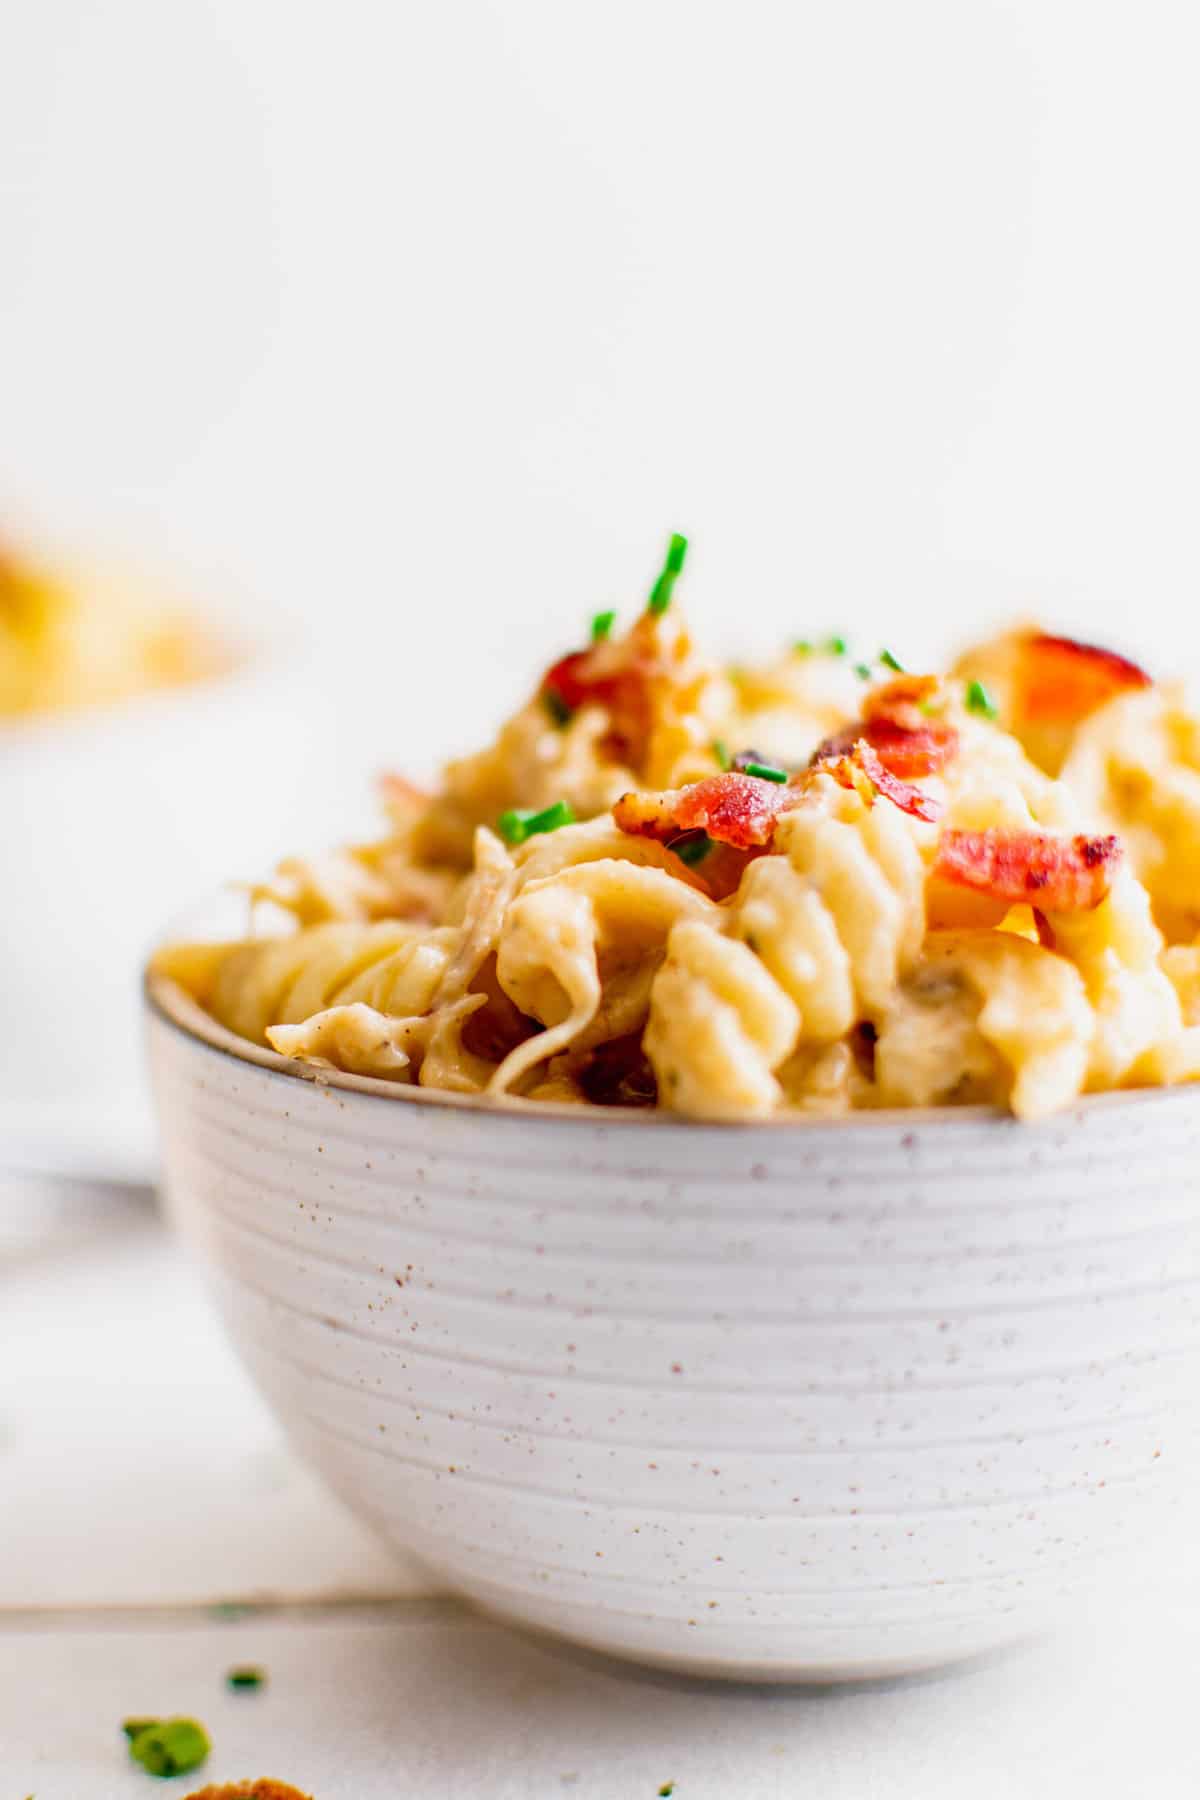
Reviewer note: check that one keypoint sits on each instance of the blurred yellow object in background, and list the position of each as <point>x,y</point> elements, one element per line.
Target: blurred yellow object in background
<point>68,641</point>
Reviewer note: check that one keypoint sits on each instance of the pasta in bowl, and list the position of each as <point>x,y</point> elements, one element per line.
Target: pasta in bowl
<point>588,1174</point>
<point>817,887</point>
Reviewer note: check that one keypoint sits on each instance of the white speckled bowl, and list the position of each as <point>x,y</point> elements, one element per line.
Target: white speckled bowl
<point>815,1400</point>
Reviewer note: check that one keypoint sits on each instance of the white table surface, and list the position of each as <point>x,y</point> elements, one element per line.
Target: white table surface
<point>144,1491</point>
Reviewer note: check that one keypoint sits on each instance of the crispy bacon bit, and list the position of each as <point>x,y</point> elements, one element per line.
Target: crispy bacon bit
<point>617,674</point>
<point>912,754</point>
<point>573,679</point>
<point>907,741</point>
<point>1063,680</point>
<point>734,809</point>
<point>250,1790</point>
<point>862,770</point>
<point>1054,874</point>
<point>902,701</point>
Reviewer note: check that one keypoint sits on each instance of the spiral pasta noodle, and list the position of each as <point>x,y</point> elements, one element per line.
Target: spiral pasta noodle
<point>719,1026</point>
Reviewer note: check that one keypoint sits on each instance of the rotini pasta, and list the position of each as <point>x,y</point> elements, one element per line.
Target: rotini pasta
<point>988,1015</point>
<point>719,1026</point>
<point>1135,764</point>
<point>977,888</point>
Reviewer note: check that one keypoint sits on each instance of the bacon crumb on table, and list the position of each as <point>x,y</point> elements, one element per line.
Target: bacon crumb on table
<point>264,1789</point>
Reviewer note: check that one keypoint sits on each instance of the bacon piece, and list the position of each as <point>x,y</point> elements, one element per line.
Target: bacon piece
<point>864,771</point>
<point>1054,874</point>
<point>618,675</point>
<point>250,1790</point>
<point>734,809</point>
<point>911,754</point>
<point>902,701</point>
<point>907,741</point>
<point>1061,679</point>
<point>574,680</point>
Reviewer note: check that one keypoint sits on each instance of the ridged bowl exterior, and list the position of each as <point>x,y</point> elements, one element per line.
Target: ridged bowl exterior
<point>816,1401</point>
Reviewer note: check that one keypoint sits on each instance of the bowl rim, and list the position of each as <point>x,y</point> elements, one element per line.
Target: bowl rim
<point>169,1003</point>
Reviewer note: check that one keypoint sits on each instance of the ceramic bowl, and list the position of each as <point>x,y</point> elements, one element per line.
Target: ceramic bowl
<point>810,1400</point>
<point>113,817</point>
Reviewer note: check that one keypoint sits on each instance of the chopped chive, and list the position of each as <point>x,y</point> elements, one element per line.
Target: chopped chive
<point>134,1727</point>
<point>980,701</point>
<point>834,646</point>
<point>720,750</point>
<point>666,1790</point>
<point>170,1747</point>
<point>246,1676</point>
<point>890,662</point>
<point>516,825</point>
<point>863,671</point>
<point>556,706</point>
<point>764,771</point>
<point>660,593</point>
<point>691,850</point>
<point>802,647</point>
<point>602,626</point>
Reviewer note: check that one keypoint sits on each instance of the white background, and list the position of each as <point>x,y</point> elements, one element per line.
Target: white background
<point>421,325</point>
<point>425,323</point>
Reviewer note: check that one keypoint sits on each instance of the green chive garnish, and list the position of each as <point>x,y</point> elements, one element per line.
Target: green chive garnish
<point>602,626</point>
<point>556,706</point>
<point>246,1676</point>
<point>170,1747</point>
<point>516,825</point>
<point>834,646</point>
<point>666,1790</point>
<point>692,850</point>
<point>980,701</point>
<point>720,750</point>
<point>764,771</point>
<point>660,593</point>
<point>863,671</point>
<point>890,662</point>
<point>802,647</point>
<point>134,1727</point>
